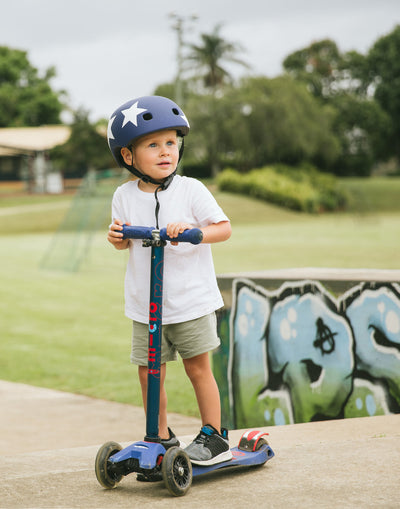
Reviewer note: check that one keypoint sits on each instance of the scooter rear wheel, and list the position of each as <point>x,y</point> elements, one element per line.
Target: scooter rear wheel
<point>103,474</point>
<point>177,471</point>
<point>260,443</point>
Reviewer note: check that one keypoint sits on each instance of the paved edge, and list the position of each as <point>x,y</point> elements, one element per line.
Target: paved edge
<point>50,439</point>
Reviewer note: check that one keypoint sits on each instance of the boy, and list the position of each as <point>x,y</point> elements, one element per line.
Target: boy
<point>145,136</point>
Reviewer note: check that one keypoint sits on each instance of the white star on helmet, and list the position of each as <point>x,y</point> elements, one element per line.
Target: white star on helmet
<point>110,135</point>
<point>131,114</point>
<point>185,119</point>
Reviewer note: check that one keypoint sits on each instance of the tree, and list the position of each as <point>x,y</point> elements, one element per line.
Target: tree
<point>362,128</point>
<point>85,149</point>
<point>327,71</point>
<point>384,65</point>
<point>343,81</point>
<point>26,97</point>
<point>262,121</point>
<point>277,121</point>
<point>317,65</point>
<point>210,58</point>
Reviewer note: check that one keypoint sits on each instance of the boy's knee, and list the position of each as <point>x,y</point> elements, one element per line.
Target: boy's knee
<point>143,375</point>
<point>194,369</point>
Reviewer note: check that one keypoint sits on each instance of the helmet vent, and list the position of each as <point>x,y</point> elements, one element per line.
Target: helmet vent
<point>147,116</point>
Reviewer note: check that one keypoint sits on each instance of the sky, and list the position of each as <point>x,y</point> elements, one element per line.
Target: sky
<point>108,52</point>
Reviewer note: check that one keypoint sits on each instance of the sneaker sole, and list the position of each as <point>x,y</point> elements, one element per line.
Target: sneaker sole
<point>221,458</point>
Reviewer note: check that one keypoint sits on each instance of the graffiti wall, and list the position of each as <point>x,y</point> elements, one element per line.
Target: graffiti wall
<point>298,354</point>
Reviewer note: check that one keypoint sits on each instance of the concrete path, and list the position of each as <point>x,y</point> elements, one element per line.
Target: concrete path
<point>49,441</point>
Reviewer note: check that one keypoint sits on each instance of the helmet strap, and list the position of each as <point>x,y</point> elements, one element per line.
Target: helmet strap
<point>157,210</point>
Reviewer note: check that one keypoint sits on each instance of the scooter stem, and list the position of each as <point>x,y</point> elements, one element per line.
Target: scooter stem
<point>154,346</point>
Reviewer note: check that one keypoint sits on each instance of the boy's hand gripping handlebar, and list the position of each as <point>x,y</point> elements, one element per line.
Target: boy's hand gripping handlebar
<point>193,235</point>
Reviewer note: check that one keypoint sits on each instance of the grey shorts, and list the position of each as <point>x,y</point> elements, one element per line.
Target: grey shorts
<point>187,338</point>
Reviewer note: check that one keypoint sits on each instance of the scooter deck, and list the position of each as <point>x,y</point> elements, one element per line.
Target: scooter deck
<point>240,458</point>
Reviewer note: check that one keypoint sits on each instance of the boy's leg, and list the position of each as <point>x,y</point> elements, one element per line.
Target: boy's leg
<point>199,371</point>
<point>211,445</point>
<point>162,424</point>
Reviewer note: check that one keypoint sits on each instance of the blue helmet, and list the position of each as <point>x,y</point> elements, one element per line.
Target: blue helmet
<point>142,116</point>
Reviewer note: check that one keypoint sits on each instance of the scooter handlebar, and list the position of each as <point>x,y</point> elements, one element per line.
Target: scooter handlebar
<point>137,232</point>
<point>193,235</point>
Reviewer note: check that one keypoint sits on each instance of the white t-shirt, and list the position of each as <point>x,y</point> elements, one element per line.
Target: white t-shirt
<point>190,287</point>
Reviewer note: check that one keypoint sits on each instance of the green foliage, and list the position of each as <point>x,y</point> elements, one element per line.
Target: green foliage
<point>301,189</point>
<point>85,149</point>
<point>262,121</point>
<point>384,66</point>
<point>362,128</point>
<point>166,90</point>
<point>342,80</point>
<point>210,56</point>
<point>336,110</point>
<point>316,65</point>
<point>26,98</point>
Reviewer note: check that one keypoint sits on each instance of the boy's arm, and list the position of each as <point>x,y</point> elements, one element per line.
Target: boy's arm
<point>215,232</point>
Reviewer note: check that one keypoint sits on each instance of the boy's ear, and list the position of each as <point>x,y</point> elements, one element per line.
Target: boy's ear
<point>126,155</point>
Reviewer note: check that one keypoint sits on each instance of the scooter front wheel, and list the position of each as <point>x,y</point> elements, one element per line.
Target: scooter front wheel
<point>177,471</point>
<point>106,478</point>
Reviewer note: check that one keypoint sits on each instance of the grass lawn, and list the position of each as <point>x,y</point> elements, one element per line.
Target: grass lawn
<point>66,330</point>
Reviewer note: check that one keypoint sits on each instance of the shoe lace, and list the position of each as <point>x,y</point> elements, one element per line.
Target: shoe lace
<point>201,438</point>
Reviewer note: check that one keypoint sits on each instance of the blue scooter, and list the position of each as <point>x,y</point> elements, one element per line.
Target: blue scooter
<point>149,457</point>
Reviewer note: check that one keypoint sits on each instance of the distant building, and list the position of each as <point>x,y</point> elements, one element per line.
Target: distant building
<point>24,156</point>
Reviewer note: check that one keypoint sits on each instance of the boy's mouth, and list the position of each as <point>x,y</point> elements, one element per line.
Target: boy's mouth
<point>164,164</point>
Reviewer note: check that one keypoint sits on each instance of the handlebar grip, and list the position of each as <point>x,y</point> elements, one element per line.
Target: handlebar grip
<point>194,236</point>
<point>137,232</point>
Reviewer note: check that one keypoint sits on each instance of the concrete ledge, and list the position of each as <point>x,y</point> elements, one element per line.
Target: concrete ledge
<point>336,280</point>
<point>317,273</point>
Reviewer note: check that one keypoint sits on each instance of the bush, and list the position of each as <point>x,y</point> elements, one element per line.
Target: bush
<point>198,170</point>
<point>302,189</point>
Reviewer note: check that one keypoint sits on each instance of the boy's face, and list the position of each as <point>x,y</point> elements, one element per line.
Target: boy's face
<point>155,155</point>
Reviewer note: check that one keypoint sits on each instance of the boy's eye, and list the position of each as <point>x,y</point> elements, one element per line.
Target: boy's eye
<point>170,143</point>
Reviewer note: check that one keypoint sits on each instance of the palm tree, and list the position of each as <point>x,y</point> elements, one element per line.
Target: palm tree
<point>210,56</point>
<point>207,63</point>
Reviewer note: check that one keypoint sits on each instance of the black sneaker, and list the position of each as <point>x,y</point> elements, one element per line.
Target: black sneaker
<point>172,441</point>
<point>209,447</point>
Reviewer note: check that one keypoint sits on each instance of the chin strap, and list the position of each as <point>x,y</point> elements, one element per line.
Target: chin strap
<point>159,188</point>
<point>162,187</point>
